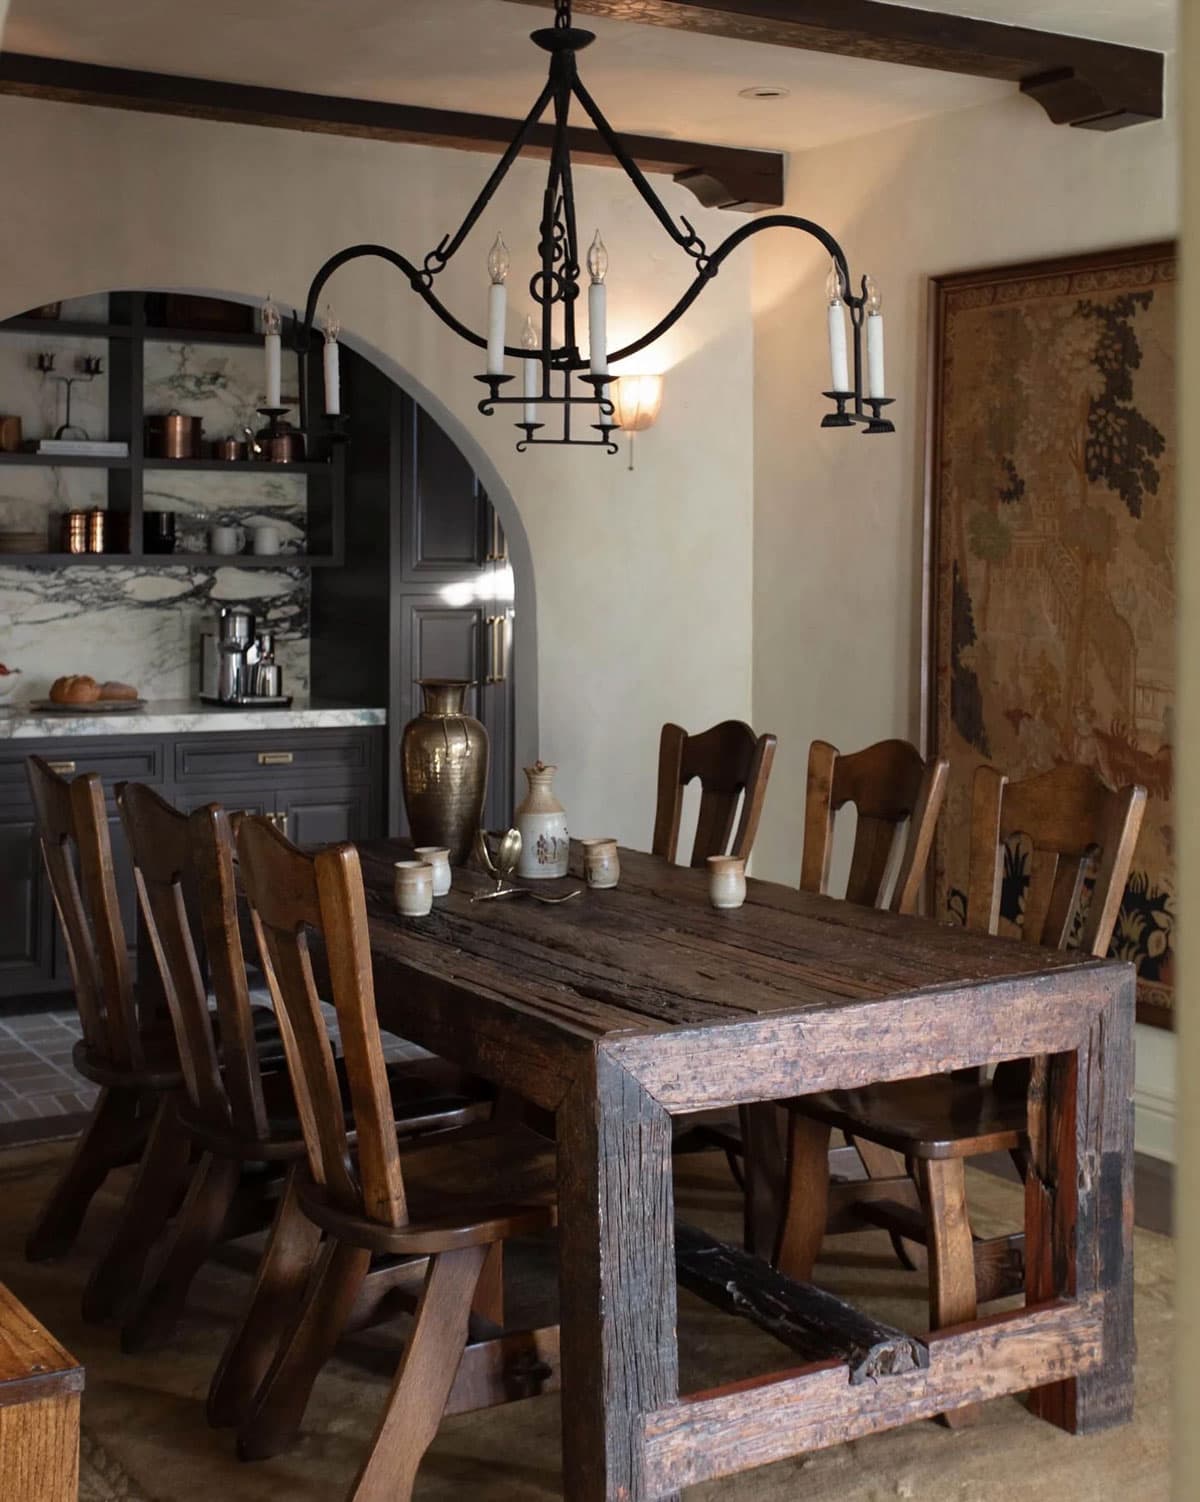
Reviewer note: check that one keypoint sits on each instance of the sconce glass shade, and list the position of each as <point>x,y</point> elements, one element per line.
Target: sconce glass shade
<point>637,400</point>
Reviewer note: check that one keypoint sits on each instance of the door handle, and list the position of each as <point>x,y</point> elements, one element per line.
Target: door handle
<point>63,768</point>
<point>497,648</point>
<point>276,758</point>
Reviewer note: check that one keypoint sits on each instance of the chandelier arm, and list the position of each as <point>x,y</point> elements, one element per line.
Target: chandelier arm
<point>726,248</point>
<point>685,238</point>
<point>498,174</point>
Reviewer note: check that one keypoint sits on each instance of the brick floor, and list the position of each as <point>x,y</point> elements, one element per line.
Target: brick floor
<point>37,1079</point>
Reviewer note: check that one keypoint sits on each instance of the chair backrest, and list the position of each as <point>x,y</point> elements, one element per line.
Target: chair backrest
<point>184,870</point>
<point>73,827</point>
<point>1074,826</point>
<point>730,760</point>
<point>290,893</point>
<point>898,797</point>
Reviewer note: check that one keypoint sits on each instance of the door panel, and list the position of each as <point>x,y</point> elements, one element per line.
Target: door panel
<point>25,908</point>
<point>327,817</point>
<point>444,525</point>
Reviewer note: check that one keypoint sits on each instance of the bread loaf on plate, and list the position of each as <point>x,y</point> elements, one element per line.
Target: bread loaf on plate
<point>75,688</point>
<point>116,690</point>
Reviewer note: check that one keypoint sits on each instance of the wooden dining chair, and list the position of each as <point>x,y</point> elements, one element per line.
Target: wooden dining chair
<point>1072,828</point>
<point>440,1213</point>
<point>897,796</point>
<point>731,762</point>
<point>125,1048</point>
<point>237,1111</point>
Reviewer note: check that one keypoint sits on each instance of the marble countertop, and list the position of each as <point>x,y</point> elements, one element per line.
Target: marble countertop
<point>181,717</point>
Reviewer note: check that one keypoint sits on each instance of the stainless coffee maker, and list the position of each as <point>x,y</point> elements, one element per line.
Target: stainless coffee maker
<point>237,666</point>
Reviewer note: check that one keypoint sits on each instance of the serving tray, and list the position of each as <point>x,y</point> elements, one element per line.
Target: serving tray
<point>98,706</point>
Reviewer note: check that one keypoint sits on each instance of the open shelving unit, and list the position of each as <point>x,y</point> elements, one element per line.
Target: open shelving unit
<point>127,331</point>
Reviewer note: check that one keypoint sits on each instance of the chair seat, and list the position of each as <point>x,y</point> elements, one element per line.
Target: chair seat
<point>468,1191</point>
<point>428,1095</point>
<point>159,1069</point>
<point>934,1117</point>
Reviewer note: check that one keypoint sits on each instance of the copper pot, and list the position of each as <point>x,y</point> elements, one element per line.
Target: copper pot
<point>280,443</point>
<point>171,435</point>
<point>229,449</point>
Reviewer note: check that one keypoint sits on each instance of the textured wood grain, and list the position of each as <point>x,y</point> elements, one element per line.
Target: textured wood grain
<point>808,1320</point>
<point>716,1434</point>
<point>39,1450</point>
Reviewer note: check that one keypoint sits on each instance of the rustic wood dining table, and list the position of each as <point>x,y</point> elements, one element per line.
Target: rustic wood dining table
<point>623,1009</point>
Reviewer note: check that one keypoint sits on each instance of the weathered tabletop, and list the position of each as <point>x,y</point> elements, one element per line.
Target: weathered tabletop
<point>626,1007</point>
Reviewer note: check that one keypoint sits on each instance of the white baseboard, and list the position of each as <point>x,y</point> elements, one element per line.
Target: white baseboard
<point>1154,1124</point>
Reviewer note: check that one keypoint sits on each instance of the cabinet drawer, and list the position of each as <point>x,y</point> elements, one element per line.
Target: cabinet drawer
<point>137,759</point>
<point>300,755</point>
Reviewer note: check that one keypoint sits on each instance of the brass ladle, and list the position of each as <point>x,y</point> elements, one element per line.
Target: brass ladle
<point>501,865</point>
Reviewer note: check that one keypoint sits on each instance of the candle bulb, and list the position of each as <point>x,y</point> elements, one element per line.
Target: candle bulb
<point>875,382</point>
<point>333,378</point>
<point>597,262</point>
<point>497,298</point>
<point>272,324</point>
<point>838,360</point>
<point>532,369</point>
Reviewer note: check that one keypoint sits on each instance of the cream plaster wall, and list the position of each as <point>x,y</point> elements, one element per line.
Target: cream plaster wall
<point>838,517</point>
<point>643,579</point>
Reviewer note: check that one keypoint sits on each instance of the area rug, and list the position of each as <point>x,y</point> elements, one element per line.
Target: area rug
<point>145,1438</point>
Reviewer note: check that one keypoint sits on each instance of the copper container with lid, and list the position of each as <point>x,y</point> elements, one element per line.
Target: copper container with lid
<point>95,530</point>
<point>173,435</point>
<point>75,532</point>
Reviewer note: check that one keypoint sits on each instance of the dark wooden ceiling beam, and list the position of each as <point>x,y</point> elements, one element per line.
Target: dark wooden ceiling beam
<point>1098,85</point>
<point>723,177</point>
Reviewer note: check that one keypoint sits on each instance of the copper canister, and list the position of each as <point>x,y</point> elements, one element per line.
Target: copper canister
<point>95,530</point>
<point>172,435</point>
<point>75,532</point>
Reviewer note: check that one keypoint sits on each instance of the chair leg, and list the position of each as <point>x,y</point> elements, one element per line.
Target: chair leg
<point>193,1234</point>
<point>105,1143</point>
<point>283,1274</point>
<point>152,1199</point>
<point>280,1403</point>
<point>424,1379</point>
<point>952,1296</point>
<point>488,1302</point>
<point>806,1207</point>
<point>766,1175</point>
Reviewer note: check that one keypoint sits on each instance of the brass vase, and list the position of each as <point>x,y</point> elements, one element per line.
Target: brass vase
<point>444,768</point>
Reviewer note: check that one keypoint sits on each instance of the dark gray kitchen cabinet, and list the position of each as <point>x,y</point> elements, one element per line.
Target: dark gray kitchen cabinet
<point>26,943</point>
<point>322,785</point>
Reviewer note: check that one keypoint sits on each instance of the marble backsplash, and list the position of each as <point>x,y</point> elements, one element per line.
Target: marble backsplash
<point>141,625</point>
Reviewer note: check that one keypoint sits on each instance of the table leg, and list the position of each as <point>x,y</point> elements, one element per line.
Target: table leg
<point>764,1134</point>
<point>1079,1205</point>
<point>617,1274</point>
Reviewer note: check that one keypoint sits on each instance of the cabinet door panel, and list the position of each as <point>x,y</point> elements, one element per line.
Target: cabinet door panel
<point>443,642</point>
<point>325,818</point>
<point>444,524</point>
<point>25,908</point>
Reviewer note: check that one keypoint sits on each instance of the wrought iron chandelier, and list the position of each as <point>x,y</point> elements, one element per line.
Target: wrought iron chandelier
<point>556,377</point>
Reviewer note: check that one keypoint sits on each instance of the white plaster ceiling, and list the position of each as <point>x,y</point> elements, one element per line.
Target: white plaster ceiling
<point>475,55</point>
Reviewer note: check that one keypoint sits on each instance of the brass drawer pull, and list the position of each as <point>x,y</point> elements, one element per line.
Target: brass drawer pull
<point>276,758</point>
<point>63,768</point>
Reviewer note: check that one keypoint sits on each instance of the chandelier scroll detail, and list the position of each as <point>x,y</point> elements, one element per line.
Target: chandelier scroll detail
<point>563,395</point>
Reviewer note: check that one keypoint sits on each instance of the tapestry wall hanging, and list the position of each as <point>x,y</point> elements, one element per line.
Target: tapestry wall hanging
<point>1051,488</point>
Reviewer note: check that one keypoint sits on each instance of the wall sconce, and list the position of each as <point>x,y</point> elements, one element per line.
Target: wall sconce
<point>638,401</point>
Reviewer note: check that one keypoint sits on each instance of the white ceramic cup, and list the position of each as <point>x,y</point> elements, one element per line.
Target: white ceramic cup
<point>601,864</point>
<point>264,540</point>
<point>413,888</point>
<point>226,540</point>
<point>726,881</point>
<point>438,860</point>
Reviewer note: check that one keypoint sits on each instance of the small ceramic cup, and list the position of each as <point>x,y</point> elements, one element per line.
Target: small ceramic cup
<point>226,540</point>
<point>726,881</point>
<point>413,888</point>
<point>264,540</point>
<point>601,865</point>
<point>439,861</point>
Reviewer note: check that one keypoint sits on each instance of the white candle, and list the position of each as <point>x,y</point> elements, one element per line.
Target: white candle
<point>274,369</point>
<point>597,332</point>
<point>531,371</point>
<point>875,382</point>
<point>497,307</point>
<point>333,383</point>
<point>838,362</point>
